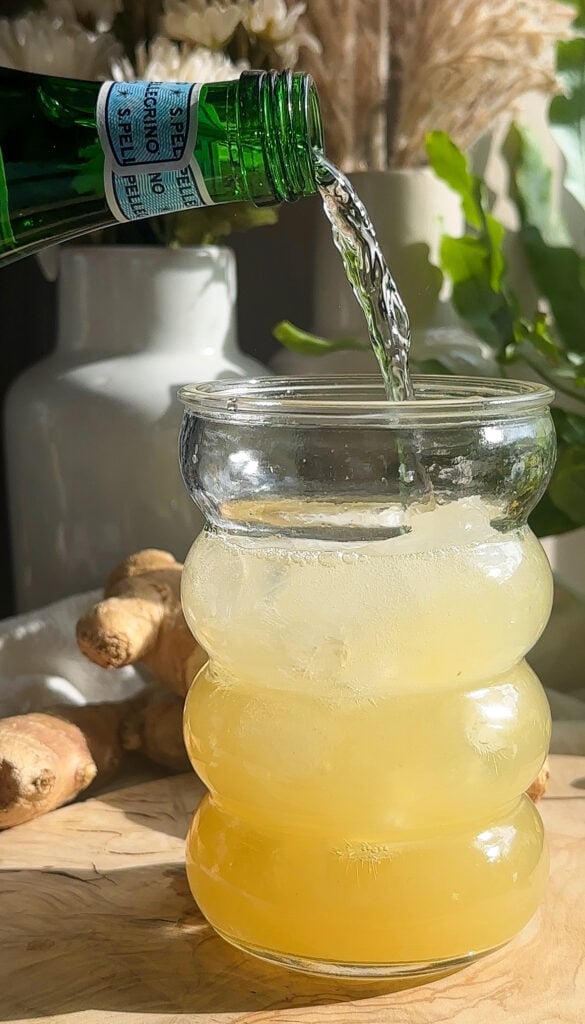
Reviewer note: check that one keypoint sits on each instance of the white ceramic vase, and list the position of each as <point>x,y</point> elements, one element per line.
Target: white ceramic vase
<point>91,432</point>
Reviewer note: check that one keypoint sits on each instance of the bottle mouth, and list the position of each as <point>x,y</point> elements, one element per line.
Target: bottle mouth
<point>361,401</point>
<point>313,113</point>
<point>291,109</point>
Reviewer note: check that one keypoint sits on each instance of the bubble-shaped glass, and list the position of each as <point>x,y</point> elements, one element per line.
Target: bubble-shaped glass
<point>366,724</point>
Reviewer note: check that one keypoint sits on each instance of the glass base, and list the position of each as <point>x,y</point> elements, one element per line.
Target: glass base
<point>373,971</point>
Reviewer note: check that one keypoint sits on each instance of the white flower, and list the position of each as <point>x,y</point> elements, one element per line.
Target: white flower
<point>276,26</point>
<point>271,20</point>
<point>288,50</point>
<point>95,15</point>
<point>49,45</point>
<point>201,22</point>
<point>164,61</point>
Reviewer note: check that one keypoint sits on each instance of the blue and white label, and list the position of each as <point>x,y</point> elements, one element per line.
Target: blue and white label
<point>145,126</point>
<point>148,132</point>
<point>132,196</point>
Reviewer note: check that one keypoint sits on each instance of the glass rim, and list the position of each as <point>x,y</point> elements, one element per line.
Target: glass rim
<point>361,399</point>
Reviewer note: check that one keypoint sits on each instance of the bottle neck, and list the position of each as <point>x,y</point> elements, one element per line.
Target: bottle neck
<point>116,300</point>
<point>291,130</point>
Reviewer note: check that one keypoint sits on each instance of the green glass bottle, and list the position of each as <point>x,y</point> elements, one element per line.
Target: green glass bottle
<point>76,156</point>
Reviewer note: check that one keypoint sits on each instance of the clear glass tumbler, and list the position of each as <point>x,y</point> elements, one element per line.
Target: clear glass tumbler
<point>366,724</point>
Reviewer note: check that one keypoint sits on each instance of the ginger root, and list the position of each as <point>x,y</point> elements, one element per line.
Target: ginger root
<point>46,760</point>
<point>155,728</point>
<point>140,620</point>
<point>538,788</point>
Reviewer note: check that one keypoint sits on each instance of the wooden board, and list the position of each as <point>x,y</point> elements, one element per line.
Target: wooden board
<point>97,927</point>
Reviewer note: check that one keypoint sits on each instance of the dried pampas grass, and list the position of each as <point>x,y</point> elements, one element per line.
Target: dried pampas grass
<point>351,75</point>
<point>458,64</point>
<point>390,71</point>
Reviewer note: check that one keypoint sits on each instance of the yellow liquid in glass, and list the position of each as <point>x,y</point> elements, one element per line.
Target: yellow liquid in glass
<point>366,727</point>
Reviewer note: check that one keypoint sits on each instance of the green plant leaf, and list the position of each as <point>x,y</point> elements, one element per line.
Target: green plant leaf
<point>450,165</point>
<point>567,486</point>
<point>552,342</point>
<point>538,334</point>
<point>558,271</point>
<point>546,520</point>
<point>579,6</point>
<point>475,263</point>
<point>567,114</point>
<point>570,427</point>
<point>495,236</point>
<point>558,274</point>
<point>307,344</point>
<point>208,225</point>
<point>531,186</point>
<point>467,262</point>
